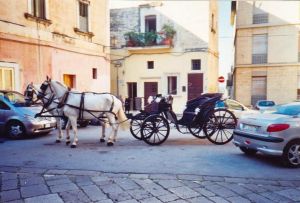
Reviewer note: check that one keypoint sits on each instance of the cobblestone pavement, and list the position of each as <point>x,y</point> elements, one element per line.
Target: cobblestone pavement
<point>37,185</point>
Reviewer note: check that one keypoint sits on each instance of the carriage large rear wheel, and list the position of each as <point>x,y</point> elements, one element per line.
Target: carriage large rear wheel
<point>155,130</point>
<point>136,124</point>
<point>220,126</point>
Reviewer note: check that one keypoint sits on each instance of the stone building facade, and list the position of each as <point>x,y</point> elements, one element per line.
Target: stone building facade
<point>67,40</point>
<point>185,68</point>
<point>267,47</point>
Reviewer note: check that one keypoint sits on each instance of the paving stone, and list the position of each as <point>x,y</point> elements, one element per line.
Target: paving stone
<point>118,197</point>
<point>8,176</point>
<point>296,183</point>
<point>273,188</point>
<point>112,189</point>
<point>139,194</point>
<point>190,177</point>
<point>63,187</point>
<point>32,170</point>
<point>104,183</point>
<point>199,199</point>
<point>51,198</point>
<point>184,192</point>
<point>16,201</point>
<point>32,181</point>
<point>56,171</point>
<point>275,197</point>
<point>257,198</point>
<point>286,183</point>
<point>236,180</point>
<point>150,200</point>
<point>10,195</point>
<point>290,193</point>
<point>163,176</point>
<point>170,183</point>
<point>34,190</point>
<point>213,178</point>
<point>83,180</point>
<point>100,178</point>
<point>10,184</point>
<point>48,177</point>
<point>179,201</point>
<point>105,201</point>
<point>238,199</point>
<point>153,188</point>
<point>218,199</point>
<point>74,196</point>
<point>236,188</point>
<point>263,182</point>
<point>168,198</point>
<point>28,175</point>
<point>139,176</point>
<point>220,190</point>
<point>126,184</point>
<point>129,201</point>
<point>255,188</point>
<point>94,193</point>
<point>116,175</point>
<point>9,169</point>
<point>204,192</point>
<point>59,181</point>
<point>82,173</point>
<point>191,184</point>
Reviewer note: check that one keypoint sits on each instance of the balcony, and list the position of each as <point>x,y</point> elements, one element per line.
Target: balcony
<point>148,41</point>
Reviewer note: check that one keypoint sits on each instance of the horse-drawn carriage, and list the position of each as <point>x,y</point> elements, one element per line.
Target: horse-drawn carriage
<point>200,118</point>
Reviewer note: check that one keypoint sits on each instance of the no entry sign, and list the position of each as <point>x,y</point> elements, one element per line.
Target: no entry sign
<point>221,79</point>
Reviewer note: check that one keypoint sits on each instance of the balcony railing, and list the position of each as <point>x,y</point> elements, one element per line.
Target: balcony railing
<point>134,39</point>
<point>259,58</point>
<point>260,18</point>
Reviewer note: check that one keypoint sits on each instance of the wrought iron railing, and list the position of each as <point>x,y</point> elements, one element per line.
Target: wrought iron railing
<point>135,39</point>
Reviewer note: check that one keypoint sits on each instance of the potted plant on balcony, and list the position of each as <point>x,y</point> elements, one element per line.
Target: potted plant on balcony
<point>169,33</point>
<point>150,38</point>
<point>131,38</point>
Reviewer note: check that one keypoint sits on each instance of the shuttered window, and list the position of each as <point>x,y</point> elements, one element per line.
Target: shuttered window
<point>259,48</point>
<point>259,14</point>
<point>38,8</point>
<point>172,85</point>
<point>83,16</point>
<point>259,89</point>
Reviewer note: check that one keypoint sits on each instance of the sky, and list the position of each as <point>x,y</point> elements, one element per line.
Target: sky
<point>225,33</point>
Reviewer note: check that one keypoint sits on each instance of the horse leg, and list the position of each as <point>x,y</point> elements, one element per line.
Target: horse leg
<point>103,132</point>
<point>68,126</point>
<point>112,137</point>
<point>73,121</point>
<point>60,133</point>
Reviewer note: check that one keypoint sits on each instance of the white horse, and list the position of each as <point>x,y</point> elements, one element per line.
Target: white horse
<point>86,105</point>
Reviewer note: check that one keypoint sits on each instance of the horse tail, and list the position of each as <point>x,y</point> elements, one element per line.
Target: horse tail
<point>122,119</point>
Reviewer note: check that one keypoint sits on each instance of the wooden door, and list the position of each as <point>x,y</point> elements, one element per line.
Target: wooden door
<point>195,85</point>
<point>132,93</point>
<point>150,89</point>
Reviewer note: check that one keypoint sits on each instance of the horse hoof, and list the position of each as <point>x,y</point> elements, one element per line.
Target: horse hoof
<point>57,141</point>
<point>73,146</point>
<point>110,144</point>
<point>102,140</point>
<point>68,142</point>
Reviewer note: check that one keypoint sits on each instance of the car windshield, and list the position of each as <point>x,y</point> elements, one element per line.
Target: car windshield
<point>266,103</point>
<point>15,98</point>
<point>288,109</point>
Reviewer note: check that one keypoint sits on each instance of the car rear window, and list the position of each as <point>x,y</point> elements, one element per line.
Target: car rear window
<point>290,110</point>
<point>266,103</point>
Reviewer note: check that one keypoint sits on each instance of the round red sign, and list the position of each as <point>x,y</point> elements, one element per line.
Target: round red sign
<point>221,79</point>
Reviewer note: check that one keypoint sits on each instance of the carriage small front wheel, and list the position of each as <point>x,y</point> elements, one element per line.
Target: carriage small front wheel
<point>219,127</point>
<point>136,123</point>
<point>155,130</point>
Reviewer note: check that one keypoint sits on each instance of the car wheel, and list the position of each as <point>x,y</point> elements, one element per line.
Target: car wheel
<point>291,154</point>
<point>15,130</point>
<point>248,151</point>
<point>83,124</point>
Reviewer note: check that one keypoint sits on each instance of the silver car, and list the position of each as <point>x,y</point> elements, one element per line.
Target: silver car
<point>276,132</point>
<point>17,119</point>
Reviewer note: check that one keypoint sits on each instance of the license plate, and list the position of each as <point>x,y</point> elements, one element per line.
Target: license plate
<point>47,125</point>
<point>250,128</point>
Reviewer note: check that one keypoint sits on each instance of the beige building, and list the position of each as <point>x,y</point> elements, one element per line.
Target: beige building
<point>267,48</point>
<point>67,40</point>
<point>146,62</point>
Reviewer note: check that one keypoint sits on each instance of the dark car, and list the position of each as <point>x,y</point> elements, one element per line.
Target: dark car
<point>18,120</point>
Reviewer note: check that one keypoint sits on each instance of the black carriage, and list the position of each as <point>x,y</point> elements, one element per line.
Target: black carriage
<point>200,118</point>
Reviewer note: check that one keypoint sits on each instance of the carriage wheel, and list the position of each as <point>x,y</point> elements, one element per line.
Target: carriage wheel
<point>196,130</point>
<point>155,130</point>
<point>135,125</point>
<point>220,126</point>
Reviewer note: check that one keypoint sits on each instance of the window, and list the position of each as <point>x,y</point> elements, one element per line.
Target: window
<point>69,80</point>
<point>259,49</point>
<point>150,64</point>
<point>94,73</point>
<point>172,85</point>
<point>259,15</point>
<point>38,8</point>
<point>213,23</point>
<point>150,23</point>
<point>298,89</point>
<point>259,89</point>
<point>298,46</point>
<point>3,106</point>
<point>196,64</point>
<point>6,78</point>
<point>83,16</point>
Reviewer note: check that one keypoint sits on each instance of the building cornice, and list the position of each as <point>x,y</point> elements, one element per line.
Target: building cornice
<point>265,25</point>
<point>265,65</point>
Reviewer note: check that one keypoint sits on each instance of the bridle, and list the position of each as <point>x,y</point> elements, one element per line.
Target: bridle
<point>42,94</point>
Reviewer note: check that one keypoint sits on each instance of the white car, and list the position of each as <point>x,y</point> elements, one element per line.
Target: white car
<point>235,107</point>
